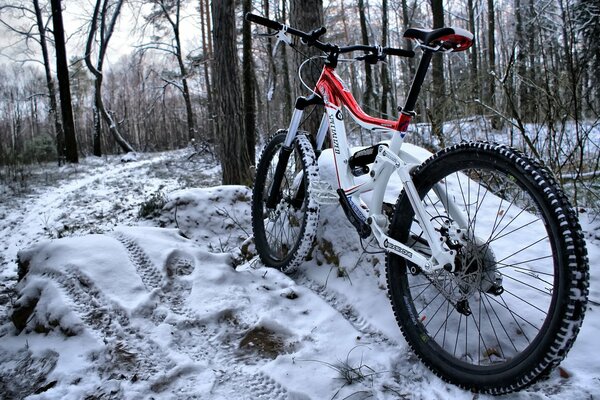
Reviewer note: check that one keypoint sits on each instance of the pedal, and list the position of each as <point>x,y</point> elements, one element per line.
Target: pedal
<point>324,193</point>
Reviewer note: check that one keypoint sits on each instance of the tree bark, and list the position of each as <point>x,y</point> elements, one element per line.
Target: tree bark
<point>53,109</point>
<point>439,87</point>
<point>353,82</point>
<point>410,64</point>
<point>491,52</point>
<point>287,86</point>
<point>235,161</point>
<point>249,78</point>
<point>62,72</point>
<point>521,60</point>
<point>369,96</point>
<point>473,51</point>
<point>206,50</point>
<point>387,93</point>
<point>307,15</point>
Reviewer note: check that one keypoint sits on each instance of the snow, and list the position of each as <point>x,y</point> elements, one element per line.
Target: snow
<point>177,305</point>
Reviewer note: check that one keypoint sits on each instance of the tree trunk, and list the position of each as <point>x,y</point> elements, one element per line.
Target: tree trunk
<point>53,109</point>
<point>385,74</point>
<point>97,120</point>
<point>189,112</point>
<point>62,72</point>
<point>353,82</point>
<point>106,31</point>
<point>491,52</point>
<point>205,22</point>
<point>307,15</point>
<point>369,96</point>
<point>235,161</point>
<point>439,88</point>
<point>249,90</point>
<point>410,69</point>
<point>473,51</point>
<point>287,86</point>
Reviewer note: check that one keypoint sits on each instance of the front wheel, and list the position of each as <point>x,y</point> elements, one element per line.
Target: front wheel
<point>284,234</point>
<point>512,307</point>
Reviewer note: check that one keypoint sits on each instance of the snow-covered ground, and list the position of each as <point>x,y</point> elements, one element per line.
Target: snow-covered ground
<point>176,306</point>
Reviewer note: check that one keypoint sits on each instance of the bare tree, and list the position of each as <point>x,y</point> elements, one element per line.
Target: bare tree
<point>205,27</point>
<point>248,77</point>
<point>36,14</point>
<point>369,97</point>
<point>107,22</point>
<point>388,94</point>
<point>491,51</point>
<point>307,15</point>
<point>473,53</point>
<point>436,115</point>
<point>62,70</point>
<point>169,11</point>
<point>287,87</point>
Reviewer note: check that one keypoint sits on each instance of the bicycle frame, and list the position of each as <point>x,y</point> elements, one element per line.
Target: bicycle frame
<point>331,91</point>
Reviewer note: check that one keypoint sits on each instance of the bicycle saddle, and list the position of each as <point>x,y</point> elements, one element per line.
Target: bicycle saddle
<point>453,39</point>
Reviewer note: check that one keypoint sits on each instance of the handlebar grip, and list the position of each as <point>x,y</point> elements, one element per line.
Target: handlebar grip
<point>264,21</point>
<point>398,52</point>
<point>318,33</point>
<point>313,36</point>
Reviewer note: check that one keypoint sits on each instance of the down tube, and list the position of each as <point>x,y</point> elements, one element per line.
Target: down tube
<point>339,144</point>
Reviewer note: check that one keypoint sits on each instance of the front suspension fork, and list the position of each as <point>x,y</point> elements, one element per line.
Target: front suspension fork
<point>274,195</point>
<point>284,155</point>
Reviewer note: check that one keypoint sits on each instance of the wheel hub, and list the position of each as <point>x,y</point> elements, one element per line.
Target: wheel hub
<point>475,268</point>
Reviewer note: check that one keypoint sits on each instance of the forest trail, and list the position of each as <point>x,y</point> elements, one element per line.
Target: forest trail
<point>180,312</point>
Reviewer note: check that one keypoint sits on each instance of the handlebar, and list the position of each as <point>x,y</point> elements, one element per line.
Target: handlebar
<point>257,19</point>
<point>312,39</point>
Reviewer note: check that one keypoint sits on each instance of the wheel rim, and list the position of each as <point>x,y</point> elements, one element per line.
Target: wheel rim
<point>283,224</point>
<point>491,310</point>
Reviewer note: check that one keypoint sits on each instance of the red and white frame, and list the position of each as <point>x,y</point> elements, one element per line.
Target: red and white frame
<point>389,159</point>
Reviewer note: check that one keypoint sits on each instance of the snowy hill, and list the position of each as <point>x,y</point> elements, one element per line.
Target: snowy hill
<point>176,306</point>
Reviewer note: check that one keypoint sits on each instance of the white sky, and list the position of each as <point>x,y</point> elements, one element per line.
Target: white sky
<point>76,15</point>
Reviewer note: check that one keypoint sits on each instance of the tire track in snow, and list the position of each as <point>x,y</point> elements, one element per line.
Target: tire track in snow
<point>200,343</point>
<point>171,291</point>
<point>204,344</point>
<point>94,309</point>
<point>110,324</point>
<point>345,308</point>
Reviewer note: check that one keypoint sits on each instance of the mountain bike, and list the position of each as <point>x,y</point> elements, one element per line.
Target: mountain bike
<point>486,264</point>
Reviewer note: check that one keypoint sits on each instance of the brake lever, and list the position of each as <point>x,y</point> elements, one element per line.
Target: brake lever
<point>371,58</point>
<point>281,37</point>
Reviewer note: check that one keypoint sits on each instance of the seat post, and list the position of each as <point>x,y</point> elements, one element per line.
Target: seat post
<point>418,80</point>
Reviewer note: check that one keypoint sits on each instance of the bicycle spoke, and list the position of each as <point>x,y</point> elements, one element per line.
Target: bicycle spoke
<point>485,297</point>
<point>513,265</point>
<point>514,230</point>
<point>526,284</point>
<point>523,249</point>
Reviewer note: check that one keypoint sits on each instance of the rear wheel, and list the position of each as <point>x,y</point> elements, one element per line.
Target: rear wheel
<point>284,234</point>
<point>514,304</point>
